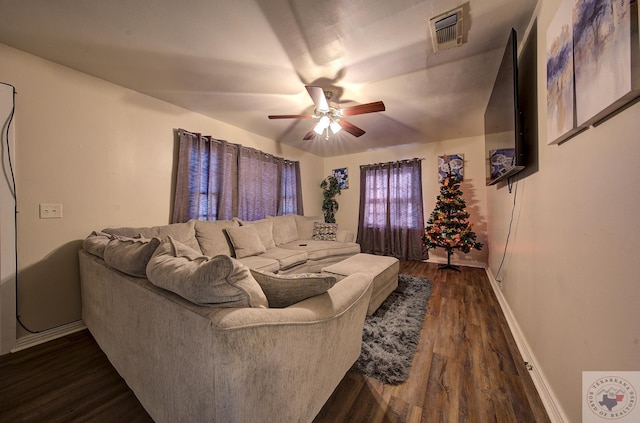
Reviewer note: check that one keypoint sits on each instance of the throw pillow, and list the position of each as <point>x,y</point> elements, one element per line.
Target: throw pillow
<point>183,232</point>
<point>96,243</point>
<point>265,231</point>
<point>324,231</point>
<point>285,290</point>
<point>130,255</point>
<point>284,229</point>
<point>305,225</point>
<point>220,280</point>
<point>246,241</point>
<point>212,238</point>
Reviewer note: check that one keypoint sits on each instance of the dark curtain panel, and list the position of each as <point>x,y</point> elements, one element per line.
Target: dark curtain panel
<point>218,180</point>
<point>391,219</point>
<point>290,198</point>
<point>270,186</point>
<point>258,177</point>
<point>206,180</point>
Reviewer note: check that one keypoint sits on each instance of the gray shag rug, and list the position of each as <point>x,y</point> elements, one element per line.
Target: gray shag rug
<point>391,333</point>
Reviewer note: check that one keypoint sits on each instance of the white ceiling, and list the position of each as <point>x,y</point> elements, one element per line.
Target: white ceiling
<point>241,60</point>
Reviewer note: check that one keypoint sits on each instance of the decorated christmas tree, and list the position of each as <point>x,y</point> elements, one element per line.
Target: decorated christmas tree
<point>448,226</point>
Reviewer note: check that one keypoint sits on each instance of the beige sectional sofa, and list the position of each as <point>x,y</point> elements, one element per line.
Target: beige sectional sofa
<point>283,244</point>
<point>198,336</point>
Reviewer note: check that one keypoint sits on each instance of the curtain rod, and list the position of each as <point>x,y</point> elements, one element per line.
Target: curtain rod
<point>241,148</point>
<point>397,161</point>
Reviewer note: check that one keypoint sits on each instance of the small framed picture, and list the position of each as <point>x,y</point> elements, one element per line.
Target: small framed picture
<point>342,175</point>
<point>501,161</point>
<point>453,163</point>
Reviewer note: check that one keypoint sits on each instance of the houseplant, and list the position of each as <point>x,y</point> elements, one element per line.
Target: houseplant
<point>330,188</point>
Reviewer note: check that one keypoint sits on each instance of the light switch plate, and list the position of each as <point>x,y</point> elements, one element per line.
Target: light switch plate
<point>50,211</point>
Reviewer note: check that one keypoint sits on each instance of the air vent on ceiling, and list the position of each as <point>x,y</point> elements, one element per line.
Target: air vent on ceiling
<point>447,29</point>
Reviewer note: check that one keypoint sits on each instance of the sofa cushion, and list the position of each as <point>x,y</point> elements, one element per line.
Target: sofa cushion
<point>182,232</point>
<point>219,280</point>
<point>284,229</point>
<point>96,243</point>
<point>130,255</point>
<point>318,250</point>
<point>304,225</point>
<point>246,241</point>
<point>261,263</point>
<point>213,239</point>
<point>286,258</point>
<point>285,290</point>
<point>345,235</point>
<point>324,231</point>
<point>265,231</point>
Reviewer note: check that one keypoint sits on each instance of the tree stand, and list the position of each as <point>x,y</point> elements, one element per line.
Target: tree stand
<point>449,265</point>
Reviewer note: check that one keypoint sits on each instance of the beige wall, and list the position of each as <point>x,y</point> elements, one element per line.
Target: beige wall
<point>107,154</point>
<point>7,227</point>
<point>473,186</point>
<point>569,276</point>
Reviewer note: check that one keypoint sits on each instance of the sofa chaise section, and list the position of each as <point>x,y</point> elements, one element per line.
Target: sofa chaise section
<point>187,362</point>
<point>296,234</point>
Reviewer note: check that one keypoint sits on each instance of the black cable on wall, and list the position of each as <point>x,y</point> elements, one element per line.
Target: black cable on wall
<point>14,193</point>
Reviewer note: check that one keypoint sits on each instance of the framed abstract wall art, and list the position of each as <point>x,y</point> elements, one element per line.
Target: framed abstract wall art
<point>593,64</point>
<point>605,77</point>
<point>342,175</point>
<point>561,117</point>
<point>501,161</point>
<point>453,162</point>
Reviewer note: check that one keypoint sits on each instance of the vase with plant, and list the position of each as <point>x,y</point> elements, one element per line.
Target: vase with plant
<point>330,188</point>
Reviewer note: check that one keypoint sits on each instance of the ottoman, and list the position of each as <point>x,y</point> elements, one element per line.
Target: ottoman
<point>383,271</point>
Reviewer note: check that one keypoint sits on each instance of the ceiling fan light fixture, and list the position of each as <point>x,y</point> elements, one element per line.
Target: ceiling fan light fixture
<point>322,124</point>
<point>335,127</point>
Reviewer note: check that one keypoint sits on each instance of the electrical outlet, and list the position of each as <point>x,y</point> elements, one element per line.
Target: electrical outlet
<point>50,211</point>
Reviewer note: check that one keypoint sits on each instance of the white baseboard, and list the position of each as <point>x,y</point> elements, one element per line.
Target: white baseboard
<point>549,400</point>
<point>34,339</point>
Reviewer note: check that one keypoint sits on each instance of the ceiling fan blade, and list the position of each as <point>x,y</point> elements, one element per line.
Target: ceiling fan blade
<point>351,128</point>
<point>309,135</point>
<point>376,106</point>
<point>318,97</point>
<point>290,116</point>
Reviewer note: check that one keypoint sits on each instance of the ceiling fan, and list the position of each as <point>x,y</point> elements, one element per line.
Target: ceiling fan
<point>330,119</point>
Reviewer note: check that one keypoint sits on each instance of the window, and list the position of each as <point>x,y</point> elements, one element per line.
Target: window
<point>290,186</point>
<point>217,180</point>
<point>210,195</point>
<point>391,214</point>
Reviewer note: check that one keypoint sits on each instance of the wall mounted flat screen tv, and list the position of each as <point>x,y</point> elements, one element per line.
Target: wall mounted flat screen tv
<point>503,138</point>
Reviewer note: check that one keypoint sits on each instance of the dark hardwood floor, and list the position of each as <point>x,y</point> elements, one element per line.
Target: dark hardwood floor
<point>467,369</point>
<point>65,380</point>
